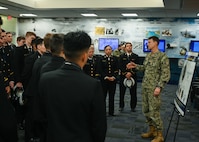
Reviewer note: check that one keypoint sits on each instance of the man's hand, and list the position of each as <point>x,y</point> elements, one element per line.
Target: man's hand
<point>8,89</point>
<point>157,91</point>
<point>131,65</point>
<point>111,78</point>
<point>11,83</point>
<point>19,84</point>
<point>128,75</point>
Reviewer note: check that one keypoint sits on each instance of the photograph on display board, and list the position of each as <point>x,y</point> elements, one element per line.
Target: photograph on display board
<point>167,32</point>
<point>99,30</point>
<point>182,92</point>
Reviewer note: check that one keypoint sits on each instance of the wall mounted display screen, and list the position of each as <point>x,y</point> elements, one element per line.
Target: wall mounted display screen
<point>161,46</point>
<point>113,42</point>
<point>194,46</point>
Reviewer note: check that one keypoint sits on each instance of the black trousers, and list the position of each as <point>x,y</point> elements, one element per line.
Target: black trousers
<point>109,87</point>
<point>133,93</point>
<point>8,123</point>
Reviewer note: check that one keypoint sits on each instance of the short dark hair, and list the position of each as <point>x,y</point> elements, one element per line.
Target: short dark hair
<point>75,43</point>
<point>30,34</point>
<point>1,21</point>
<point>34,41</point>
<point>154,38</point>
<point>128,43</point>
<point>56,43</point>
<point>19,38</point>
<point>107,46</point>
<point>8,33</point>
<point>38,41</point>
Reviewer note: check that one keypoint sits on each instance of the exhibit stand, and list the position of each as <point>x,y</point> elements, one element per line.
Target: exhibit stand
<point>183,90</point>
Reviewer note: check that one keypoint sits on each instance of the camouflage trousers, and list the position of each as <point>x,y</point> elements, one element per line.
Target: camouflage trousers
<point>151,108</point>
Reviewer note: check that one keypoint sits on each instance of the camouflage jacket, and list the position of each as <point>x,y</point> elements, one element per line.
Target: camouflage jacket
<point>156,69</point>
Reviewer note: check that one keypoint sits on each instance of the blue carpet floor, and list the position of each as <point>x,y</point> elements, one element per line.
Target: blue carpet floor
<point>127,126</point>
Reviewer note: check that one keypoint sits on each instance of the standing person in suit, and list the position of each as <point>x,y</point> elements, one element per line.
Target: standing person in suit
<point>32,89</point>
<point>20,41</point>
<point>20,53</point>
<point>58,56</point>
<point>92,65</point>
<point>156,74</point>
<point>8,124</point>
<point>124,59</point>
<point>19,58</point>
<point>56,43</point>
<point>109,72</point>
<point>9,40</point>
<point>72,102</point>
<point>29,62</point>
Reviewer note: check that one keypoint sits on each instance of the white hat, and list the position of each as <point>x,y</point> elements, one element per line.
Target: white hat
<point>129,82</point>
<point>19,94</point>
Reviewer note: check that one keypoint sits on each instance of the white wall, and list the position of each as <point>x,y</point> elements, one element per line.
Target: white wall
<point>131,30</point>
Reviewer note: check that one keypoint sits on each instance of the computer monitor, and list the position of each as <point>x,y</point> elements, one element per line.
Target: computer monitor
<point>194,46</point>
<point>113,42</point>
<point>161,46</point>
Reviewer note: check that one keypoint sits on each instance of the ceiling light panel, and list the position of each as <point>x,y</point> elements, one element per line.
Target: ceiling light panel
<point>129,14</point>
<point>27,15</point>
<point>89,14</point>
<point>1,7</point>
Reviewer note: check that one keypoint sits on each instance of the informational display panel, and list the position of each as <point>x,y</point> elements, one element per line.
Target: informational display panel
<point>182,93</point>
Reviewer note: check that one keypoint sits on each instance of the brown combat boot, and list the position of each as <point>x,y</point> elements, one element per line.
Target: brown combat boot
<point>151,133</point>
<point>158,138</point>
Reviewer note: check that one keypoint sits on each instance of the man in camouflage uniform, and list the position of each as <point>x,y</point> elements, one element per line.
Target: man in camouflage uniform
<point>156,74</point>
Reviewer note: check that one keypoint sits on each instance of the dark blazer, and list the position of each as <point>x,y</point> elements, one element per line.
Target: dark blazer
<point>28,66</point>
<point>109,66</point>
<point>92,67</point>
<point>73,105</point>
<point>32,88</point>
<point>55,63</point>
<point>124,60</point>
<point>7,57</point>
<point>19,57</point>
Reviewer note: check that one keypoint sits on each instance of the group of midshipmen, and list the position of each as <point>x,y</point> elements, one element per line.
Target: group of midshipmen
<point>110,69</point>
<point>22,66</point>
<point>21,71</point>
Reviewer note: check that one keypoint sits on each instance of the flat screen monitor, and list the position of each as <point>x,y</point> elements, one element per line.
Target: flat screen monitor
<point>161,46</point>
<point>194,46</point>
<point>113,42</point>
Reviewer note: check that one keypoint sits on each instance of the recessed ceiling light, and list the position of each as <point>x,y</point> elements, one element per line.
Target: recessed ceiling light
<point>27,15</point>
<point>88,14</point>
<point>102,19</point>
<point>129,14</point>
<point>198,14</point>
<point>1,7</point>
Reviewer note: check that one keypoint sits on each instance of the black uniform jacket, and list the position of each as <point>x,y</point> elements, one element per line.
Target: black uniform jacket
<point>109,66</point>
<point>19,61</point>
<point>92,67</point>
<point>55,63</point>
<point>73,105</point>
<point>124,60</point>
